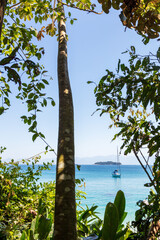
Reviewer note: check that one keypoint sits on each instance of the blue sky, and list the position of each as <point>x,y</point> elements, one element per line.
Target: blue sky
<point>95,43</point>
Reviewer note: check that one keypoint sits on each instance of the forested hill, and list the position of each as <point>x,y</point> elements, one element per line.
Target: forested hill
<point>107,163</point>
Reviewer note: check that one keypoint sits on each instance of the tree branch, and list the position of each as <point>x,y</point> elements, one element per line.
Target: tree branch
<point>14,5</point>
<point>36,155</point>
<point>47,144</point>
<point>146,161</point>
<point>2,10</point>
<point>53,20</point>
<point>87,10</point>
<point>143,167</point>
<point>43,138</point>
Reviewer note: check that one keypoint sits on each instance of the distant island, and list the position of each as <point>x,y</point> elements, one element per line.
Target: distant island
<point>108,163</point>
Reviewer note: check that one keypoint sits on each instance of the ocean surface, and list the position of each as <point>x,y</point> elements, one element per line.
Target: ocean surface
<point>101,187</point>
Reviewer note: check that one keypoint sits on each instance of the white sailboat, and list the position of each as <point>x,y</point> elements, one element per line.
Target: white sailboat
<point>117,172</point>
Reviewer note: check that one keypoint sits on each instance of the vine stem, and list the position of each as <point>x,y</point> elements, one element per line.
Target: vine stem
<point>34,155</point>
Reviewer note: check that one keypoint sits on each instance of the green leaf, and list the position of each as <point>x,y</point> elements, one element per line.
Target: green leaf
<point>84,228</point>
<point>45,102</point>
<point>31,95</point>
<point>158,53</point>
<point>121,233</point>
<point>23,117</point>
<point>45,81</point>
<point>34,125</point>
<point>148,184</point>
<point>13,53</point>
<point>85,215</point>
<point>7,102</point>
<point>90,82</point>
<point>111,220</point>
<point>42,135</point>
<point>119,62</point>
<point>71,21</point>
<point>33,224</point>
<point>78,167</point>
<point>1,110</point>
<point>40,86</point>
<point>93,208</point>
<point>53,103</point>
<point>132,120</point>
<point>6,60</point>
<point>123,67</point>
<point>138,63</point>
<point>13,75</point>
<point>120,204</point>
<point>31,234</point>
<point>30,63</point>
<point>34,136</point>
<point>15,65</point>
<point>23,236</point>
<point>156,68</point>
<point>133,49</point>
<point>44,227</point>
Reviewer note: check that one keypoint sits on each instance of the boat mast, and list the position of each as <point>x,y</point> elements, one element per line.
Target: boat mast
<point>118,163</point>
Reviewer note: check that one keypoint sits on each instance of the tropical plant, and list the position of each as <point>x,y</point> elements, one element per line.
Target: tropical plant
<point>143,16</point>
<point>22,196</point>
<point>113,218</point>
<point>41,228</point>
<point>18,33</point>
<point>112,227</point>
<point>88,222</point>
<point>27,204</point>
<point>147,217</point>
<point>127,96</point>
<point>65,227</point>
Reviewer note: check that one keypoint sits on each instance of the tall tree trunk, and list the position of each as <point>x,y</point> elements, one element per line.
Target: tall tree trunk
<point>65,207</point>
<point>2,9</point>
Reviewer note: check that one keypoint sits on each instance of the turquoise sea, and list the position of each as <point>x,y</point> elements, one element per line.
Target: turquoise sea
<point>101,187</point>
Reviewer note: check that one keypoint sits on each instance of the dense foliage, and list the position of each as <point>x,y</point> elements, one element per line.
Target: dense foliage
<point>19,63</point>
<point>22,195</point>
<point>27,205</point>
<point>141,15</point>
<point>131,98</point>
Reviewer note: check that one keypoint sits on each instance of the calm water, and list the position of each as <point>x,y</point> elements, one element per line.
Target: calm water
<point>101,187</point>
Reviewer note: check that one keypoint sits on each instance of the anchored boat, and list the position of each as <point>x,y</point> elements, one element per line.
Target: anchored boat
<point>117,171</point>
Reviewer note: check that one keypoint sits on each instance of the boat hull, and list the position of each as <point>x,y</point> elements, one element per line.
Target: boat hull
<point>116,175</point>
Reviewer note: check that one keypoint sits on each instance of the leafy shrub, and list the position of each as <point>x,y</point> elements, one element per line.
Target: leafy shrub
<point>20,194</point>
<point>88,222</point>
<point>113,228</point>
<point>147,217</point>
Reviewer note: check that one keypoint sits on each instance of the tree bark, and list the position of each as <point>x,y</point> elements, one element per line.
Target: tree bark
<point>2,9</point>
<point>65,206</point>
<point>154,229</point>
